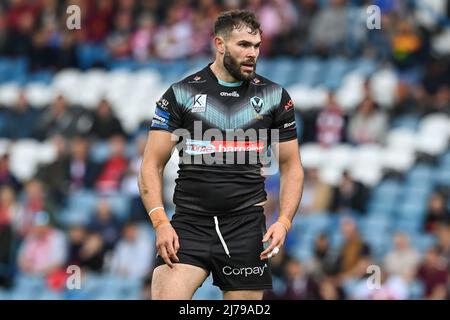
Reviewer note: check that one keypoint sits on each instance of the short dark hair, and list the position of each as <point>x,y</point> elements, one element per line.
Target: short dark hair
<point>236,19</point>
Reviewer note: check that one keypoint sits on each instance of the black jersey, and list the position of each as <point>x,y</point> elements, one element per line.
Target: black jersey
<point>224,130</point>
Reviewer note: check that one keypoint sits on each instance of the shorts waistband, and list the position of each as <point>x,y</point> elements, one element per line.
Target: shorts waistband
<point>246,211</point>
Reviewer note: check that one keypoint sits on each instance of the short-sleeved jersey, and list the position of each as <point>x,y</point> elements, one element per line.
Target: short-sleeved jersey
<point>224,130</point>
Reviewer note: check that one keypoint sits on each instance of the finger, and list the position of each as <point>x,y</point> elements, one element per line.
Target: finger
<point>165,256</point>
<point>267,235</point>
<point>273,244</point>
<point>171,252</point>
<point>176,244</point>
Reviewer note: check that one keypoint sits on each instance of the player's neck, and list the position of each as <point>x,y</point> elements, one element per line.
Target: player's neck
<point>221,73</point>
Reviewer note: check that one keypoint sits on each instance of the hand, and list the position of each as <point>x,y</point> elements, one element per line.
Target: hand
<point>167,244</point>
<point>277,232</point>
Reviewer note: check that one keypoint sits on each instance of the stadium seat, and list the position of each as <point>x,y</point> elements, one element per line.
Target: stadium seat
<point>350,93</point>
<point>383,85</point>
<point>397,160</point>
<point>334,71</point>
<point>39,95</point>
<point>401,139</point>
<point>408,122</point>
<point>24,149</point>
<point>312,155</point>
<point>9,93</point>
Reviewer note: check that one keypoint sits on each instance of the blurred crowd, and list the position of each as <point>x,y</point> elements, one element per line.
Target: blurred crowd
<point>34,241</point>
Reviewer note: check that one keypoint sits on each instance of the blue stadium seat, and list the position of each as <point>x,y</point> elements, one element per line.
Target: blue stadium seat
<point>420,174</point>
<point>5,294</point>
<point>281,71</point>
<point>443,177</point>
<point>72,217</point>
<point>27,287</point>
<point>409,226</point>
<point>310,72</point>
<point>43,77</point>
<point>423,242</point>
<point>375,224</point>
<point>100,151</point>
<point>83,200</point>
<point>334,71</point>
<point>90,55</point>
<point>365,67</point>
<point>406,122</point>
<point>445,161</point>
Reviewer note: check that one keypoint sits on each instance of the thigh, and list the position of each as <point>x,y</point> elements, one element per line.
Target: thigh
<point>243,295</point>
<point>177,283</point>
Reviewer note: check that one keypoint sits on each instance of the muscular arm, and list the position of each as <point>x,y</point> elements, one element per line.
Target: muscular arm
<point>291,180</point>
<point>157,152</point>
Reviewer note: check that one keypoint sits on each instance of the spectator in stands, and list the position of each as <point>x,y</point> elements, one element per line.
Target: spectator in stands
<point>6,176</point>
<point>440,101</point>
<point>8,209</point>
<point>403,259</point>
<point>328,28</point>
<point>119,41</point>
<point>437,213</point>
<point>114,168</point>
<point>329,289</point>
<point>316,194</point>
<point>354,254</point>
<point>60,119</point>
<point>349,196</point>
<point>105,223</point>
<point>99,20</point>
<point>44,249</point>
<point>433,273</point>
<point>105,124</point>
<point>322,261</point>
<point>55,173</point>
<point>20,22</point>
<point>21,119</point>
<point>133,255</point>
<point>76,235</point>
<point>81,170</point>
<point>299,285</point>
<point>142,39</point>
<point>391,287</point>
<point>293,39</point>
<point>406,44</point>
<point>330,123</point>
<point>368,124</point>
<point>35,200</point>
<point>409,101</point>
<point>172,40</point>
<point>86,249</point>
<point>443,243</point>
<point>92,253</point>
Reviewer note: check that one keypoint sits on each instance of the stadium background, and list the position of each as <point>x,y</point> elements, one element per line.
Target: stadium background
<point>373,112</point>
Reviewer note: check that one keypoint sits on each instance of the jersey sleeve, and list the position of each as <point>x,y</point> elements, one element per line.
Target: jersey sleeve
<point>167,113</point>
<point>284,118</point>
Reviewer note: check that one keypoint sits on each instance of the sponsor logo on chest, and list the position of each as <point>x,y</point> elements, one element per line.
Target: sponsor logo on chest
<point>199,104</point>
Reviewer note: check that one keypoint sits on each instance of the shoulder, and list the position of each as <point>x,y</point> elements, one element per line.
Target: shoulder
<point>260,81</point>
<point>193,79</point>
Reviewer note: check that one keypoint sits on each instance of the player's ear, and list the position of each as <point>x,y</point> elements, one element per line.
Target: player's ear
<point>219,43</point>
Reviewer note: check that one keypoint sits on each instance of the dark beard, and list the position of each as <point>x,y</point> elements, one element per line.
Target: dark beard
<point>234,68</point>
